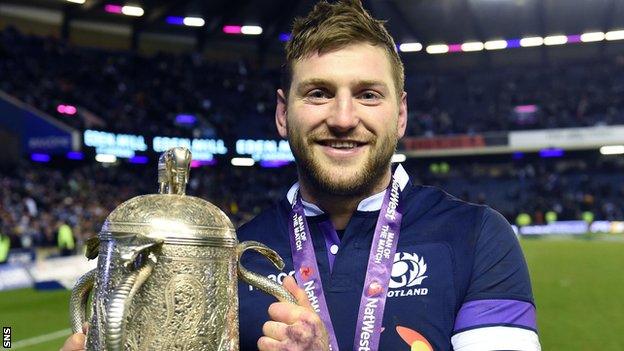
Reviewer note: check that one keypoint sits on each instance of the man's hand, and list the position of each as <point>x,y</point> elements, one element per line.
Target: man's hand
<point>76,342</point>
<point>293,327</point>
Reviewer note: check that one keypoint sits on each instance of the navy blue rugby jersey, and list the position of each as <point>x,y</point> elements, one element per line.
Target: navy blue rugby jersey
<point>459,279</point>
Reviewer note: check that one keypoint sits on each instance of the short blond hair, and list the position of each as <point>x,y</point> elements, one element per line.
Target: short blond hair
<point>330,27</point>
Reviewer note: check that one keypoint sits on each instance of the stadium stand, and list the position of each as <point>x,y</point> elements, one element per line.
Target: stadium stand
<point>564,96</point>
<point>37,199</point>
<point>129,93</point>
<point>234,99</point>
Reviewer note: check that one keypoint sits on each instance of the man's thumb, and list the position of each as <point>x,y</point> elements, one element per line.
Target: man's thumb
<point>291,286</point>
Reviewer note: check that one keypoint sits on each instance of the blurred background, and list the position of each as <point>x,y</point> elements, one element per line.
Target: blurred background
<point>517,104</point>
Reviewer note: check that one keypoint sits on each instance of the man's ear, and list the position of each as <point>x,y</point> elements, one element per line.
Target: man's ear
<point>402,120</point>
<point>281,110</point>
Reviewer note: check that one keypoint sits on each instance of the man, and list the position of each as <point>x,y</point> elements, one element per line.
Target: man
<point>5,245</point>
<point>381,263</point>
<point>457,278</point>
<point>65,239</point>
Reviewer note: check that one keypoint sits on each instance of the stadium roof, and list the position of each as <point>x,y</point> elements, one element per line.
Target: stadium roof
<point>424,21</point>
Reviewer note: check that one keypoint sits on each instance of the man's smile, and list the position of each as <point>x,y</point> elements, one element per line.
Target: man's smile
<point>341,148</point>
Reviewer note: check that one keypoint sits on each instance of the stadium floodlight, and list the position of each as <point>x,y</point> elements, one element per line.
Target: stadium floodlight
<point>194,21</point>
<point>66,109</point>
<point>112,8</point>
<point>472,46</point>
<point>525,109</point>
<point>242,161</point>
<point>175,20</point>
<point>75,155</point>
<point>134,11</point>
<point>592,36</point>
<point>612,150</point>
<point>410,47</point>
<point>573,39</point>
<point>106,158</point>
<point>229,29</point>
<point>551,153</point>
<point>437,49</point>
<point>37,157</point>
<point>273,163</point>
<point>251,30</point>
<point>200,163</point>
<point>495,44</point>
<point>531,41</point>
<point>77,1</point>
<point>138,159</point>
<point>398,158</point>
<point>615,35</point>
<point>555,40</point>
<point>454,48</point>
<point>185,119</point>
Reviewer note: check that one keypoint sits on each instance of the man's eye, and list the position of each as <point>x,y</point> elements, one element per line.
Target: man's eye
<point>370,95</point>
<point>317,94</point>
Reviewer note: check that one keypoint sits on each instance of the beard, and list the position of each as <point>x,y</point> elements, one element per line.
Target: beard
<point>335,179</point>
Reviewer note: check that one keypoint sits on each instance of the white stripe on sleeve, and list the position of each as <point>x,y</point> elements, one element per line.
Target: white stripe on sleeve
<point>496,338</point>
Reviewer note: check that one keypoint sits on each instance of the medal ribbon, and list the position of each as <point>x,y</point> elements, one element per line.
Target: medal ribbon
<point>306,268</point>
<point>380,260</point>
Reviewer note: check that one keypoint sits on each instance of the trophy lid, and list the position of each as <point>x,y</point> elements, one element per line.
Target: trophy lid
<point>171,215</point>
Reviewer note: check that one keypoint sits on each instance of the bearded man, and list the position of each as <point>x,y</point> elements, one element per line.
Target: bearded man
<point>380,263</point>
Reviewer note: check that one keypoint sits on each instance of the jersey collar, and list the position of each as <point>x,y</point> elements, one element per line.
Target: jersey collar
<point>369,204</point>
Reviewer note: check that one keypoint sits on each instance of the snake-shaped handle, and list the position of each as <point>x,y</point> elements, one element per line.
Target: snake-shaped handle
<point>78,300</point>
<point>120,300</point>
<point>265,284</point>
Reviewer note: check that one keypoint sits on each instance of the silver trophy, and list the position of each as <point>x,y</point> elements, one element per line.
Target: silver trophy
<point>166,277</point>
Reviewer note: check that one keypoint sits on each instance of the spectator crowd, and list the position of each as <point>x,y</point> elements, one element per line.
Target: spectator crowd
<point>123,91</point>
<point>35,200</point>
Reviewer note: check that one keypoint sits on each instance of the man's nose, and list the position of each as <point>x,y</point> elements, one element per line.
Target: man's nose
<point>344,116</point>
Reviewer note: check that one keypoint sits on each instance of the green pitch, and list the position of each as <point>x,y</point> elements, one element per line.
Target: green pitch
<point>578,286</point>
<point>579,292</point>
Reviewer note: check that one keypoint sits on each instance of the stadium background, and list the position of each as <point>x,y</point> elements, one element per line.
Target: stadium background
<point>514,103</point>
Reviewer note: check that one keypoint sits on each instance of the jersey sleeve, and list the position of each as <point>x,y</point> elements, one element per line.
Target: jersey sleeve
<point>498,312</point>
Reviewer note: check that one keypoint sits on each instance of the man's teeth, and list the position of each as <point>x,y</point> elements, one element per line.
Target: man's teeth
<point>342,144</point>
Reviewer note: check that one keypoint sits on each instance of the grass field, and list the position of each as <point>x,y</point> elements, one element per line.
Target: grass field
<point>579,291</point>
<point>578,286</point>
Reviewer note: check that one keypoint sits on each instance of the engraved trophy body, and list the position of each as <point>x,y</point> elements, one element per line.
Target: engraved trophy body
<point>167,270</point>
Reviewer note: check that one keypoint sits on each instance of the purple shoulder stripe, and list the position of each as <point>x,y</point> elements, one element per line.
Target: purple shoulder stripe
<point>491,312</point>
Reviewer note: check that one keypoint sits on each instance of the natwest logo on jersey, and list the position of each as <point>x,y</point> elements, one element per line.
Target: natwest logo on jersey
<point>279,278</point>
<point>408,273</point>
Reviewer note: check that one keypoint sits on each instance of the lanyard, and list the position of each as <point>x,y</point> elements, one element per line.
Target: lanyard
<point>380,260</point>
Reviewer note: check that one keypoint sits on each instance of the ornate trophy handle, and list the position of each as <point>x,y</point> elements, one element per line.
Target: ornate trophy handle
<point>120,300</point>
<point>265,284</point>
<point>78,300</point>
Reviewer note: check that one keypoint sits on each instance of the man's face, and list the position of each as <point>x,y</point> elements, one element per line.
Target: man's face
<point>343,118</point>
